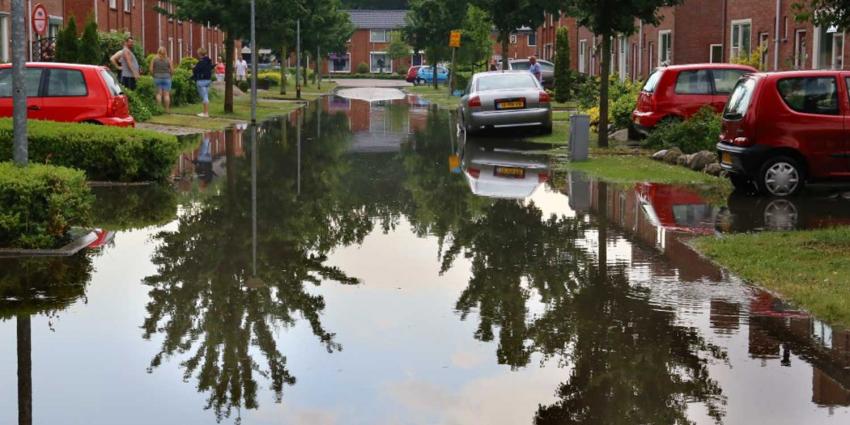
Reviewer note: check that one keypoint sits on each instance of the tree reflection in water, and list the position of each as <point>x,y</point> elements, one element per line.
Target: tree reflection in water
<point>205,299</point>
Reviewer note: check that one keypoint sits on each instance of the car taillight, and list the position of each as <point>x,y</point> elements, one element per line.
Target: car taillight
<point>543,177</point>
<point>118,107</point>
<point>742,141</point>
<point>474,102</point>
<point>544,97</point>
<point>473,172</point>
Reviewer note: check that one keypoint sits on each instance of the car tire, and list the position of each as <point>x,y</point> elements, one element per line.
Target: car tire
<point>634,134</point>
<point>546,130</point>
<point>781,176</point>
<point>742,183</point>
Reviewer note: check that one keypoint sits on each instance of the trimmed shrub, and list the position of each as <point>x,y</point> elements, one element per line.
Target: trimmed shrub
<point>40,203</point>
<point>362,68</point>
<point>133,207</point>
<point>111,42</point>
<point>461,80</point>
<point>183,89</point>
<point>104,153</point>
<point>89,51</point>
<point>67,43</point>
<point>188,63</point>
<point>273,77</point>
<point>563,73</point>
<point>698,133</point>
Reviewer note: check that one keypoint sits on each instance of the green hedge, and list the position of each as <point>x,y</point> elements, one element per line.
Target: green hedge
<point>698,133</point>
<point>104,153</point>
<point>40,203</point>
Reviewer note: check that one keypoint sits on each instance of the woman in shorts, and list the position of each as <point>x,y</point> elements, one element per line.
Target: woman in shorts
<point>161,69</point>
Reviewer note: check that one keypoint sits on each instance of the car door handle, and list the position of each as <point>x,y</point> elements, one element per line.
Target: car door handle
<point>34,108</point>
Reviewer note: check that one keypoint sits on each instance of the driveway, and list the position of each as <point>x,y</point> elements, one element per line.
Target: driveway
<point>370,82</point>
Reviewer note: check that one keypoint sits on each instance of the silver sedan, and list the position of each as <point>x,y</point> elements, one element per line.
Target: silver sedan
<point>500,99</point>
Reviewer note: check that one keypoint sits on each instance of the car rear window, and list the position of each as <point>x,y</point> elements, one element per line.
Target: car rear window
<point>507,81</point>
<point>725,79</point>
<point>547,66</point>
<point>810,95</point>
<point>111,84</point>
<point>739,100</point>
<point>522,66</point>
<point>33,80</point>
<point>693,82</point>
<point>652,81</point>
<point>66,83</point>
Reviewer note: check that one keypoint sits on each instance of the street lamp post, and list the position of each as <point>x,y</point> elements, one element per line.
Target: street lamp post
<point>19,90</point>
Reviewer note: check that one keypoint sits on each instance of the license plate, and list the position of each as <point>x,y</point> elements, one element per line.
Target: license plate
<point>510,104</point>
<point>512,172</point>
<point>726,158</point>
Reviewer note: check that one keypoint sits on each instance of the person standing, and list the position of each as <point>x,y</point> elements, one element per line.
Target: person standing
<point>202,74</point>
<point>125,60</point>
<point>241,69</point>
<point>162,70</point>
<point>219,69</point>
<point>535,69</point>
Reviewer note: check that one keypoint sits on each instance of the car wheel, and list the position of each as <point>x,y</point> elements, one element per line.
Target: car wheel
<point>634,134</point>
<point>781,176</point>
<point>780,214</point>
<point>546,129</point>
<point>741,183</point>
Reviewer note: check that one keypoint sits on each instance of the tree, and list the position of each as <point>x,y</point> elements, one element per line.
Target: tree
<point>67,43</point>
<point>508,15</point>
<point>824,12</point>
<point>607,18</point>
<point>562,65</point>
<point>476,45</point>
<point>89,51</point>
<point>397,48</point>
<point>427,27</point>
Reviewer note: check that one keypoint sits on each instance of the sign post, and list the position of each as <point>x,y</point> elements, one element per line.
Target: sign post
<point>454,43</point>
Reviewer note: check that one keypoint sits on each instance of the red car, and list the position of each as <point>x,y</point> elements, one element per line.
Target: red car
<point>675,93</point>
<point>412,72</point>
<point>782,129</point>
<point>69,93</point>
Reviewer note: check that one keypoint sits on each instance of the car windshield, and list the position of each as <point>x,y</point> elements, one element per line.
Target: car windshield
<point>547,66</point>
<point>652,81</point>
<point>113,86</point>
<point>522,65</point>
<point>506,82</point>
<point>740,99</point>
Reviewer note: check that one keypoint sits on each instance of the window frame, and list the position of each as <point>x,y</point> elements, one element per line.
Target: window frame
<point>661,51</point>
<point>800,62</point>
<point>764,40</point>
<point>5,37</point>
<point>711,58</point>
<point>113,4</point>
<point>388,69</point>
<point>513,39</point>
<point>837,99</point>
<point>128,6</point>
<point>740,23</point>
<point>373,31</point>
<point>528,39</point>
<point>582,56</point>
<point>347,71</point>
<point>45,82</point>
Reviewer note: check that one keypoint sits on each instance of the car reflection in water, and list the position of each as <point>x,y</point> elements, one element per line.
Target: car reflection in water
<point>748,213</point>
<point>504,171</point>
<point>676,208</point>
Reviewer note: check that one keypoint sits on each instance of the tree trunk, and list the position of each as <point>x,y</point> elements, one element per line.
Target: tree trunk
<point>434,74</point>
<point>605,64</point>
<point>228,72</point>
<point>283,59</point>
<point>504,37</point>
<point>318,69</point>
<point>24,332</point>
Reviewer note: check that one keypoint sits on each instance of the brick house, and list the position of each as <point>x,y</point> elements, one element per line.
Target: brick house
<point>522,43</point>
<point>56,16</point>
<point>368,44</point>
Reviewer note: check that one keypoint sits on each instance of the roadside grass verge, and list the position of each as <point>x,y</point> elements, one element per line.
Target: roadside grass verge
<point>186,115</point>
<point>635,169</point>
<point>439,96</point>
<point>809,268</point>
<point>192,121</point>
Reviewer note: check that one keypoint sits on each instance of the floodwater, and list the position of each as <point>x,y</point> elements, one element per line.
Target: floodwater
<point>361,264</point>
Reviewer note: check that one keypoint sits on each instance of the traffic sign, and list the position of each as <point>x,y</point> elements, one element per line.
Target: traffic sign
<point>39,19</point>
<point>454,39</point>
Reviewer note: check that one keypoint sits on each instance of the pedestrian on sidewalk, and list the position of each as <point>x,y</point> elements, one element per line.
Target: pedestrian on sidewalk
<point>241,69</point>
<point>125,60</point>
<point>202,74</point>
<point>219,69</point>
<point>162,70</point>
<point>535,68</point>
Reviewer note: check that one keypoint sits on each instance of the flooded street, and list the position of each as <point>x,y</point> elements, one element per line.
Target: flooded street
<point>363,264</point>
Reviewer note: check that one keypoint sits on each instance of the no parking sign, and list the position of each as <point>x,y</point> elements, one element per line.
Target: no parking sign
<point>39,19</point>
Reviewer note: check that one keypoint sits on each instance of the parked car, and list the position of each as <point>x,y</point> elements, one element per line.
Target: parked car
<point>547,67</point>
<point>426,74</point>
<point>783,129</point>
<point>504,99</point>
<point>412,73</point>
<point>70,93</point>
<point>675,93</point>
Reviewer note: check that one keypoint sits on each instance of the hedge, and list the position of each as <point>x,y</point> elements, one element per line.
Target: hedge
<point>699,133</point>
<point>40,203</point>
<point>104,153</point>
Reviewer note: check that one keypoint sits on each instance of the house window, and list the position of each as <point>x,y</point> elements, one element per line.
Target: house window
<point>53,28</point>
<point>665,47</point>
<point>829,43</point>
<point>340,63</point>
<point>764,47</point>
<point>378,36</point>
<point>715,53</point>
<point>113,4</point>
<point>532,39</point>
<point>417,59</point>
<point>651,50</point>
<point>513,38</point>
<point>127,5</point>
<point>740,41</point>
<point>4,38</point>
<point>582,56</point>
<point>800,49</point>
<point>379,62</point>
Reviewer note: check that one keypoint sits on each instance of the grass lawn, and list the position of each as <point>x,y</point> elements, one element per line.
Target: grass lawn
<point>634,168</point>
<point>308,92</point>
<point>440,96</point>
<point>809,268</point>
<point>185,115</point>
<point>191,121</point>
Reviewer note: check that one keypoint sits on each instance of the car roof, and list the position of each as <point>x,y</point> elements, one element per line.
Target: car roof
<point>693,66</point>
<point>56,65</point>
<point>801,73</point>
<point>507,71</point>
<point>526,60</point>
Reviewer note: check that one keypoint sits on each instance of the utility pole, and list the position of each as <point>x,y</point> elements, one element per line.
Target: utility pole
<point>19,89</point>
<point>298,59</point>
<point>318,69</point>
<point>253,67</point>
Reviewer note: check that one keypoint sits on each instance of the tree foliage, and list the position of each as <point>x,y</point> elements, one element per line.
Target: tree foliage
<point>508,15</point>
<point>89,45</point>
<point>428,24</point>
<point>67,43</point>
<point>476,44</point>
<point>397,48</point>
<point>823,12</point>
<point>563,72</point>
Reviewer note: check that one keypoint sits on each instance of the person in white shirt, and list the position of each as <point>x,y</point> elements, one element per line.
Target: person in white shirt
<point>241,69</point>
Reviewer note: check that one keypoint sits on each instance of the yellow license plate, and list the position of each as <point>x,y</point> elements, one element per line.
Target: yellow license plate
<point>513,104</point>
<point>513,172</point>
<point>726,158</point>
